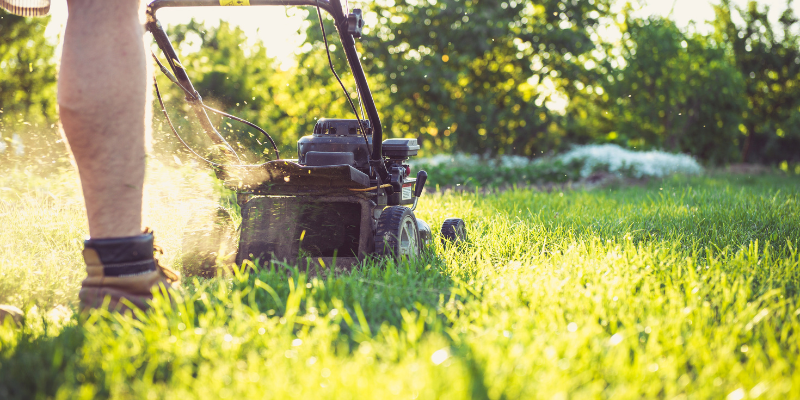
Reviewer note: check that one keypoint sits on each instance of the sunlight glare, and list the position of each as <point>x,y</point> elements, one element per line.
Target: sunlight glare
<point>683,12</point>
<point>277,27</point>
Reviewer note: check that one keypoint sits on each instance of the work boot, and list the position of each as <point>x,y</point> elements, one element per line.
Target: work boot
<point>123,268</point>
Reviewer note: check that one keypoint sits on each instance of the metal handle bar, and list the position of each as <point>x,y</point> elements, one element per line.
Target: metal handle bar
<point>156,4</point>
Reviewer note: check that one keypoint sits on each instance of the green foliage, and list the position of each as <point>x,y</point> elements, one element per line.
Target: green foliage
<point>666,89</point>
<point>464,75</point>
<point>472,77</point>
<point>27,71</point>
<point>429,79</point>
<point>27,88</point>
<point>769,59</point>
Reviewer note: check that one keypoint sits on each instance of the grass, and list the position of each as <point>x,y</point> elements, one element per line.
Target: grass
<point>680,288</point>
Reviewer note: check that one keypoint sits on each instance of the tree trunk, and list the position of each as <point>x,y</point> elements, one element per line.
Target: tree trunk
<point>746,148</point>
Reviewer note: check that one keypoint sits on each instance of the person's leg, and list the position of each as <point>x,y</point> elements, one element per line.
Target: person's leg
<point>102,102</point>
<point>101,96</point>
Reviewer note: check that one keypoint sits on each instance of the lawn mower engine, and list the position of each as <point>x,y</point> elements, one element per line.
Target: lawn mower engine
<point>344,215</point>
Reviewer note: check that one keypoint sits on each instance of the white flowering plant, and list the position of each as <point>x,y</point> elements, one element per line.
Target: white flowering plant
<point>578,163</point>
<point>637,164</point>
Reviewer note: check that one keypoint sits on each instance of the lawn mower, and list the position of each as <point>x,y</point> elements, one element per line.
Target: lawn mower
<point>347,196</point>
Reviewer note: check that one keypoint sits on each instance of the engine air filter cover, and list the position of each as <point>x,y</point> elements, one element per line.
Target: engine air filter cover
<point>400,148</point>
<point>339,127</point>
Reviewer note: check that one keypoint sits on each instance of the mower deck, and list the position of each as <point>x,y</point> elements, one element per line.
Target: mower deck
<point>298,213</point>
<point>334,229</point>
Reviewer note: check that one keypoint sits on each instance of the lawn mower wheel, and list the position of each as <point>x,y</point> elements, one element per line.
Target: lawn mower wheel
<point>397,234</point>
<point>454,230</point>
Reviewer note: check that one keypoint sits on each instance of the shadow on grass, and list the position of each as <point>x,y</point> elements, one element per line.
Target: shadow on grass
<point>35,366</point>
<point>377,288</point>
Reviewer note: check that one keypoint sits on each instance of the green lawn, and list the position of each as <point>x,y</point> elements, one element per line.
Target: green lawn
<point>678,288</point>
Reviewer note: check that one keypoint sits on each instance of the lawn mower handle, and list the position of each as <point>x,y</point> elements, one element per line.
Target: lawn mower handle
<point>156,4</point>
<point>333,7</point>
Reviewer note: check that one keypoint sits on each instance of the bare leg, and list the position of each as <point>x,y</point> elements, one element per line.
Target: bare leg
<point>102,98</point>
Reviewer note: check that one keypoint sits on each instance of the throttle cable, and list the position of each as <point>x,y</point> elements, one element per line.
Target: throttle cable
<point>346,93</point>
<point>195,97</point>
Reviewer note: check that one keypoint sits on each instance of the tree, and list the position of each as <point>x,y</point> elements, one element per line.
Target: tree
<point>473,67</point>
<point>770,64</point>
<point>27,84</point>
<point>665,89</point>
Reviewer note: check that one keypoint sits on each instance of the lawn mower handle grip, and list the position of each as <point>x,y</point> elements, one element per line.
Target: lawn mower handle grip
<point>422,176</point>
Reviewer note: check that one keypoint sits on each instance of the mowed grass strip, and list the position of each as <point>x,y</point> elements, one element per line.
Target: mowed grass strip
<point>680,288</point>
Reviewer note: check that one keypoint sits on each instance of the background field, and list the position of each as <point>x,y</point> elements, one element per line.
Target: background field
<point>674,288</point>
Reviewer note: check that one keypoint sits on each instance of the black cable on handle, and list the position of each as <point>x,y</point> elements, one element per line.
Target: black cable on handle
<point>175,131</point>
<point>196,97</point>
<point>346,93</point>
<point>160,36</point>
<point>244,121</point>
